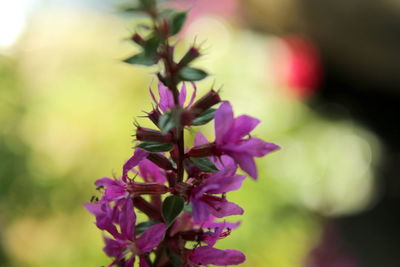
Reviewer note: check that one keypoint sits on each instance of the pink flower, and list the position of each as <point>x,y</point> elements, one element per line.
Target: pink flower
<point>203,201</point>
<point>125,242</point>
<point>166,99</point>
<point>229,139</point>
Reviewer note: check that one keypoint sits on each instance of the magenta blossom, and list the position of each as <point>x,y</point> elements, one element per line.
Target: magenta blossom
<point>205,204</point>
<point>229,139</point>
<point>166,99</point>
<point>124,245</point>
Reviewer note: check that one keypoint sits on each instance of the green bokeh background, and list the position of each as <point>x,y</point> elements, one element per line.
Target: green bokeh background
<point>67,106</point>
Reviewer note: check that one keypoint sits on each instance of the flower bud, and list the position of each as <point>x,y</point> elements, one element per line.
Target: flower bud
<point>203,151</point>
<point>154,116</point>
<point>145,134</point>
<point>146,188</point>
<point>190,55</point>
<point>160,160</point>
<point>186,118</point>
<point>138,39</point>
<point>204,103</point>
<point>171,177</point>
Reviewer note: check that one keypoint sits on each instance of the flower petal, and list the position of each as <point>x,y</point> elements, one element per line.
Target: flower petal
<point>246,163</point>
<point>220,207</point>
<point>200,211</point>
<point>208,255</point>
<point>138,155</point>
<point>193,95</point>
<point>242,126</point>
<point>224,181</point>
<point>127,220</point>
<point>182,95</point>
<point>200,139</point>
<point>113,248</point>
<point>150,172</point>
<point>255,147</point>
<point>104,217</point>
<point>115,189</point>
<point>166,98</point>
<point>151,238</point>
<point>223,122</point>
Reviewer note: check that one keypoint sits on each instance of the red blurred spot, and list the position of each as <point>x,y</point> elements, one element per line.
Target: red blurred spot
<point>299,66</point>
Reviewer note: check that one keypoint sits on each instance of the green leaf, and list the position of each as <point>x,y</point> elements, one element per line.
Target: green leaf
<point>141,59</point>
<point>166,123</point>
<point>204,117</point>
<point>128,7</point>
<point>192,74</point>
<point>151,45</point>
<point>177,21</point>
<point>156,146</point>
<point>148,56</point>
<point>172,207</point>
<point>143,226</point>
<point>148,3</point>
<point>204,164</point>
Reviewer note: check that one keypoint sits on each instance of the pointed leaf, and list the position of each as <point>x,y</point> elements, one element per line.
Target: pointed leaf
<point>156,146</point>
<point>192,74</point>
<point>204,164</point>
<point>204,117</point>
<point>177,21</point>
<point>172,207</point>
<point>166,123</point>
<point>141,59</point>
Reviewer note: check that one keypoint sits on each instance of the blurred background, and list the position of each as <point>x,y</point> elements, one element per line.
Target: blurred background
<point>324,77</point>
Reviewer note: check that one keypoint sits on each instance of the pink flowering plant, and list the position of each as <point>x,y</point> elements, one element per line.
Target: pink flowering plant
<point>182,190</point>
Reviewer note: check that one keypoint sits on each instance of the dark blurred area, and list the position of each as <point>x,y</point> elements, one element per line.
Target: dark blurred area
<point>359,49</point>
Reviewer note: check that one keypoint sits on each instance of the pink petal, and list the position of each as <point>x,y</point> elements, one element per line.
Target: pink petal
<point>151,238</point>
<point>104,217</point>
<point>253,146</point>
<point>193,95</point>
<point>225,183</point>
<point>113,248</point>
<point>208,255</point>
<point>220,207</point>
<point>166,98</point>
<point>246,163</point>
<point>200,211</point>
<point>153,96</point>
<point>242,126</point>
<point>150,172</point>
<point>223,122</point>
<point>127,220</point>
<point>200,139</point>
<point>182,95</point>
<point>105,181</point>
<point>138,155</point>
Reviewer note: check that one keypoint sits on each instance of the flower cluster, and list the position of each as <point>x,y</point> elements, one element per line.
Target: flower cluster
<point>181,190</point>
